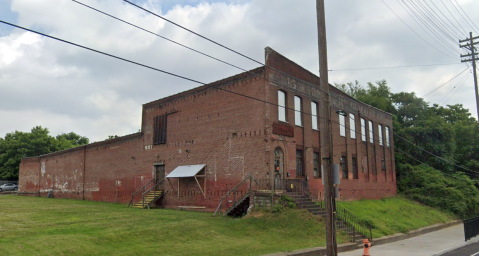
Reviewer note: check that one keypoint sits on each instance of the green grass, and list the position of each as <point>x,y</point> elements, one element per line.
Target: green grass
<point>395,215</point>
<point>43,226</point>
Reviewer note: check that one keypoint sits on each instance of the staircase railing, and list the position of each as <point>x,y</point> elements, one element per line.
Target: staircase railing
<point>148,191</point>
<point>234,192</point>
<point>353,224</point>
<point>142,189</point>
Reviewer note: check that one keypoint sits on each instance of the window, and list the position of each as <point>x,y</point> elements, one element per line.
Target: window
<point>352,126</point>
<point>387,136</point>
<point>383,164</point>
<point>159,130</point>
<point>314,115</point>
<point>299,163</point>
<point>371,132</point>
<point>342,125</point>
<point>355,168</point>
<point>317,171</point>
<point>363,129</point>
<point>380,134</point>
<point>344,166</point>
<point>297,111</point>
<point>281,106</point>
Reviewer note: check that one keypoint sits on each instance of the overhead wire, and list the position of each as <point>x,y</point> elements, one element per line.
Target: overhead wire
<point>461,82</point>
<point>405,66</point>
<point>437,37</point>
<point>445,16</point>
<point>427,42</point>
<point>437,24</point>
<point>435,89</point>
<point>472,27</point>
<point>458,23</point>
<point>169,73</point>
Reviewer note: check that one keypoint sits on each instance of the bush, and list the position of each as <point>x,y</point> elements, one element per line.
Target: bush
<point>455,192</point>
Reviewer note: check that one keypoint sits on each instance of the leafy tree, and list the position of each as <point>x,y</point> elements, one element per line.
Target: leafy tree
<point>17,145</point>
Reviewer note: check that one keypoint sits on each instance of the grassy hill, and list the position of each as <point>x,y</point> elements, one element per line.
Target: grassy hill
<point>44,226</point>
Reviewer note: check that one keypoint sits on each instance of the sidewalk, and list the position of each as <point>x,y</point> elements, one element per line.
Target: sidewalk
<point>430,244</point>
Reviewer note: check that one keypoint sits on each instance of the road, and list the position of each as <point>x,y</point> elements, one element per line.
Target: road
<point>468,250</point>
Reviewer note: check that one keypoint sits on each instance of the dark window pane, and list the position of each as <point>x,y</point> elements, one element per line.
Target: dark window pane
<point>299,163</point>
<point>344,166</point>
<point>317,171</point>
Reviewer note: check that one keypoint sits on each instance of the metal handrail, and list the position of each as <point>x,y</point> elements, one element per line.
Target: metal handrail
<point>148,191</point>
<point>136,192</point>
<point>250,177</point>
<point>353,224</point>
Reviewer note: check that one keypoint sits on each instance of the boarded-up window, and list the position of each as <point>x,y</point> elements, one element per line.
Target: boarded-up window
<point>352,126</point>
<point>355,168</point>
<point>159,130</point>
<point>314,115</point>
<point>342,125</point>
<point>282,106</point>
<point>317,171</point>
<point>344,166</point>
<point>299,163</point>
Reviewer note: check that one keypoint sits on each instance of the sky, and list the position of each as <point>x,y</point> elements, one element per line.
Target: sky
<point>66,88</point>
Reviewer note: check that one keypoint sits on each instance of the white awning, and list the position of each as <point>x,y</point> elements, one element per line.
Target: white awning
<point>186,171</point>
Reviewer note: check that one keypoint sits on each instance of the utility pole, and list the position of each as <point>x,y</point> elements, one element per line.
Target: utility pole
<point>473,57</point>
<point>326,145</point>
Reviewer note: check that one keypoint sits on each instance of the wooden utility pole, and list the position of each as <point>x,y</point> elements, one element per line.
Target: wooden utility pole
<point>470,46</point>
<point>326,145</point>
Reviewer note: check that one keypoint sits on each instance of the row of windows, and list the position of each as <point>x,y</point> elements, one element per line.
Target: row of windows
<point>352,124</point>
<point>298,120</point>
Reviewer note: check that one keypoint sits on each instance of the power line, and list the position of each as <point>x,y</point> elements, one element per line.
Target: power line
<point>452,23</point>
<point>458,23</point>
<point>457,10</point>
<point>416,17</point>
<point>415,31</point>
<point>438,24</point>
<point>461,83</point>
<point>435,89</point>
<point>467,17</point>
<point>406,66</point>
<point>211,85</point>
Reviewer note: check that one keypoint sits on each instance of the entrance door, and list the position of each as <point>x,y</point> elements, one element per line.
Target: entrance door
<point>159,176</point>
<point>278,168</point>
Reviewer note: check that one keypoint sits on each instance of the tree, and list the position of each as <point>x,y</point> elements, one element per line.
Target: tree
<point>17,145</point>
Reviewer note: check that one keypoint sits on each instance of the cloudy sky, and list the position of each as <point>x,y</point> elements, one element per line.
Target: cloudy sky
<point>66,88</point>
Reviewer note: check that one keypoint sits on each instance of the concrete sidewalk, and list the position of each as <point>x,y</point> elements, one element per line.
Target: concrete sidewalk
<point>430,244</point>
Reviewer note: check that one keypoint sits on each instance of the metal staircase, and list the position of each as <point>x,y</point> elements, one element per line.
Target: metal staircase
<point>238,204</point>
<point>149,195</point>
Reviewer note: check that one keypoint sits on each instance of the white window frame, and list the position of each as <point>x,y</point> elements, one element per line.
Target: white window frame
<point>387,137</point>
<point>371,132</point>
<point>363,129</point>
<point>298,121</point>
<point>352,125</point>
<point>281,106</point>
<point>314,115</point>
<point>380,134</point>
<point>342,125</point>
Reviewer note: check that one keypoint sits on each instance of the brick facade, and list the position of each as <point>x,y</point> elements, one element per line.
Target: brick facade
<point>232,126</point>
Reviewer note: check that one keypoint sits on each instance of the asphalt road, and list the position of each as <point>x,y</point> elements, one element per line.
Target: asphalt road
<point>468,250</point>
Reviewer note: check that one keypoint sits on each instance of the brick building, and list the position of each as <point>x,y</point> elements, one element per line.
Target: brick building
<point>262,122</point>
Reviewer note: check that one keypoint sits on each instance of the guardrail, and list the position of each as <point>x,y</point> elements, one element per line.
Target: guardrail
<point>471,227</point>
<point>353,224</point>
<point>142,189</point>
<point>233,192</point>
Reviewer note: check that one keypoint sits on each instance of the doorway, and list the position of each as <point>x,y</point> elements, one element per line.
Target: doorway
<point>278,168</point>
<point>159,176</point>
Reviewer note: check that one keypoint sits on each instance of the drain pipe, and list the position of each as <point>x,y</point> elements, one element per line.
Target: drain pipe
<point>84,167</point>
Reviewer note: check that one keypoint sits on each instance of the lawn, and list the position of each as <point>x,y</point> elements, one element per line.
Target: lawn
<point>44,226</point>
<point>395,215</point>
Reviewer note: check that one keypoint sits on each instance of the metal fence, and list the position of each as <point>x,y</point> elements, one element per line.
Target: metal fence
<point>471,227</point>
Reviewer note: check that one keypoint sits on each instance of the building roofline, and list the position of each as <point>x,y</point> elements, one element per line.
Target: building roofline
<point>91,145</point>
<point>222,82</point>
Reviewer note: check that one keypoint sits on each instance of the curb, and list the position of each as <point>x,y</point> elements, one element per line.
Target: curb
<point>383,240</point>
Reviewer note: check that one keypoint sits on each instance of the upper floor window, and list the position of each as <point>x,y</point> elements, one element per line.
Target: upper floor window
<point>314,115</point>
<point>363,129</point>
<point>159,130</point>
<point>380,134</point>
<point>297,111</point>
<point>352,126</point>
<point>387,136</point>
<point>342,125</point>
<point>281,106</point>
<point>371,132</point>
